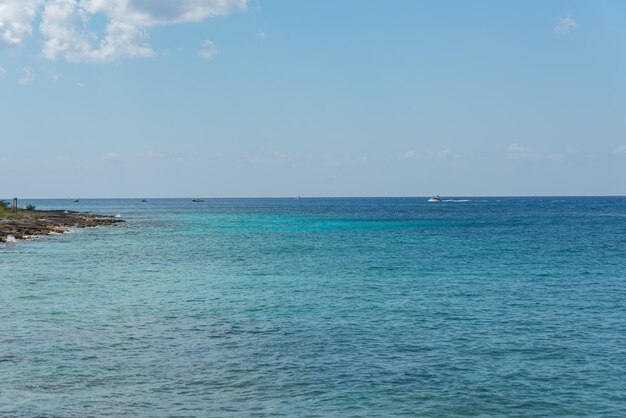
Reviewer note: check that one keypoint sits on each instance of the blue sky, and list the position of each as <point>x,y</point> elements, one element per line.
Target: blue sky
<point>134,98</point>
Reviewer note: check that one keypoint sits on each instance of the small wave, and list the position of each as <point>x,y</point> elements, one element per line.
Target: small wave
<point>118,216</point>
<point>34,237</point>
<point>457,200</point>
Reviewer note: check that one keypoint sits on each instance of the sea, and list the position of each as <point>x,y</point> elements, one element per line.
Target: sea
<point>320,307</point>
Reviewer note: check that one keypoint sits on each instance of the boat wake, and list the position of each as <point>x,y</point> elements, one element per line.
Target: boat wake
<point>456,200</point>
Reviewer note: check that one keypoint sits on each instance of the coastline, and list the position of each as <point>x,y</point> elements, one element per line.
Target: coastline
<point>23,224</point>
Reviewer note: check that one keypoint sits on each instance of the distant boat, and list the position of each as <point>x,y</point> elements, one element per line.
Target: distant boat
<point>197,200</point>
<point>435,198</point>
<point>76,201</point>
<point>143,200</point>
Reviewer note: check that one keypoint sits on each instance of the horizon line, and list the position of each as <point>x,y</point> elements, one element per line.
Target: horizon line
<point>311,197</point>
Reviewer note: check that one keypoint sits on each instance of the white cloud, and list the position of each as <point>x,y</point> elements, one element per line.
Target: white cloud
<point>16,20</point>
<point>620,150</point>
<point>28,76</point>
<point>442,154</point>
<point>147,13</point>
<point>270,158</point>
<point>410,155</point>
<point>208,50</point>
<point>154,154</point>
<point>517,148</point>
<point>262,36</point>
<point>111,156</point>
<point>2,71</point>
<point>565,25</point>
<point>446,154</point>
<point>65,24</point>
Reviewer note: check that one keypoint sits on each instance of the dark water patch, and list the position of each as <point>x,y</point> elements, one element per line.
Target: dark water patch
<point>6,358</point>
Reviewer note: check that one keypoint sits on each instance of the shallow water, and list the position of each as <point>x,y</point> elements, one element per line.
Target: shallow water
<point>320,307</point>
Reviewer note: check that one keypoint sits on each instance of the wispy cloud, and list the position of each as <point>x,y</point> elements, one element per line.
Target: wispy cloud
<point>620,150</point>
<point>208,50</point>
<point>517,148</point>
<point>442,154</point>
<point>565,25</point>
<point>28,76</point>
<point>111,156</point>
<point>446,154</point>
<point>2,71</point>
<point>54,74</point>
<point>65,24</point>
<point>409,155</point>
<point>62,159</point>
<point>269,158</point>
<point>154,154</point>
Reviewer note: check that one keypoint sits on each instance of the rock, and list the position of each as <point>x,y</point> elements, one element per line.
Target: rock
<point>27,223</point>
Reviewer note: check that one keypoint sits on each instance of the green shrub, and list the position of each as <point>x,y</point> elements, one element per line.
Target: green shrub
<point>4,204</point>
<point>30,207</point>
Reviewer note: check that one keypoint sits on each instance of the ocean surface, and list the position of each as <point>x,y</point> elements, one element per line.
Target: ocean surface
<point>320,308</point>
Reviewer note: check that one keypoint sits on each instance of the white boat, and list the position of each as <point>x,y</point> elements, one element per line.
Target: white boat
<point>435,198</point>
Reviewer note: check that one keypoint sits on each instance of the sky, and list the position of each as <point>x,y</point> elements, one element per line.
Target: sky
<point>270,98</point>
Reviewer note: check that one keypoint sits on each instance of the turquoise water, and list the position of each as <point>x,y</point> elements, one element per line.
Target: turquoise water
<point>320,307</point>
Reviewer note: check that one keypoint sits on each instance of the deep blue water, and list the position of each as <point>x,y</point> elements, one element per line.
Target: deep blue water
<point>320,307</point>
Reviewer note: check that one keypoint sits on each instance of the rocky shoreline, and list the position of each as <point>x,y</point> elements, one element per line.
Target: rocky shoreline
<point>24,224</point>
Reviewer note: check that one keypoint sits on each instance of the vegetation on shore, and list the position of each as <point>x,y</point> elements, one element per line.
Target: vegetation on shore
<point>8,212</point>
